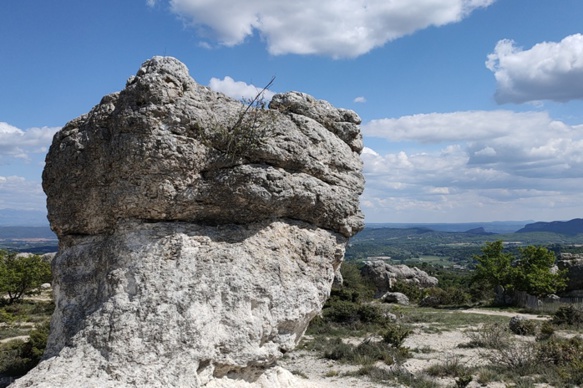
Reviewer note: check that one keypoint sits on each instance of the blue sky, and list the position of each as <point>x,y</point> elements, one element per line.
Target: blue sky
<point>472,109</point>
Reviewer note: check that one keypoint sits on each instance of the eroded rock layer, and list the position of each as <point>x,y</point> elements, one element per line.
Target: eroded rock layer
<point>186,260</point>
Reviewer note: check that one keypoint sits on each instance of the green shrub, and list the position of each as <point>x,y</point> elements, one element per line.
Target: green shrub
<point>562,352</point>
<point>341,311</point>
<point>18,357</point>
<point>366,353</point>
<point>359,288</point>
<point>546,331</point>
<point>489,336</point>
<point>395,334</point>
<point>411,290</point>
<point>452,367</point>
<point>452,296</point>
<point>568,315</point>
<point>350,313</point>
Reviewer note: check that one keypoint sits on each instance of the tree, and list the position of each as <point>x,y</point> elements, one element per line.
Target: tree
<point>534,272</point>
<point>21,274</point>
<point>494,266</point>
<point>531,272</point>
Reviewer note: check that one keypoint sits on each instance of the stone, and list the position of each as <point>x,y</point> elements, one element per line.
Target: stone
<point>396,297</point>
<point>150,152</point>
<point>573,264</point>
<point>384,276</point>
<point>184,261</point>
<point>521,326</point>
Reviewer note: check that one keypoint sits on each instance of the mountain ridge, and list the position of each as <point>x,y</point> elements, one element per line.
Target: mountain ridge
<point>572,227</point>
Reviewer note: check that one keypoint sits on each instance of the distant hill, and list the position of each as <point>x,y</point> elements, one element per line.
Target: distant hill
<point>480,231</point>
<point>570,228</point>
<point>489,227</point>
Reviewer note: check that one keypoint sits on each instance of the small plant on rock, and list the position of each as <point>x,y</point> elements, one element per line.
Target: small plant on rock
<point>247,132</point>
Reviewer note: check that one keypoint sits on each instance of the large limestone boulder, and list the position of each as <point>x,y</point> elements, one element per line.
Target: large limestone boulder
<point>184,261</point>
<point>573,264</point>
<point>384,275</point>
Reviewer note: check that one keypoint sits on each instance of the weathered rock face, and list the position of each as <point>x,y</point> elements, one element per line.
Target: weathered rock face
<point>149,153</point>
<point>182,263</point>
<point>384,276</point>
<point>573,263</point>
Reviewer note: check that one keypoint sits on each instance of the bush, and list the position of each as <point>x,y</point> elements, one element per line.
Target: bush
<point>366,353</point>
<point>568,315</point>
<point>449,297</point>
<point>522,326</point>
<point>349,313</point>
<point>341,311</point>
<point>489,336</point>
<point>562,352</point>
<point>452,367</point>
<point>18,357</point>
<point>413,291</point>
<point>395,334</point>
<point>546,331</point>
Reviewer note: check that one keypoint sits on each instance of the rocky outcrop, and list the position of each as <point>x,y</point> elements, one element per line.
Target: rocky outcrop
<point>384,276</point>
<point>573,264</point>
<point>396,297</point>
<point>197,237</point>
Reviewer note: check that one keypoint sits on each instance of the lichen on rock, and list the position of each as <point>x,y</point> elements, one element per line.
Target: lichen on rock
<point>180,265</point>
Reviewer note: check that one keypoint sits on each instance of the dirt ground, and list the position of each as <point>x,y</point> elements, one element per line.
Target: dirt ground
<point>427,349</point>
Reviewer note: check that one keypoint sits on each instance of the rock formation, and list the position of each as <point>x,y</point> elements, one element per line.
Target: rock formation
<point>573,264</point>
<point>197,238</point>
<point>384,276</point>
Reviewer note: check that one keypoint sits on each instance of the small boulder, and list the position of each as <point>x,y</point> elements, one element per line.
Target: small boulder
<point>396,297</point>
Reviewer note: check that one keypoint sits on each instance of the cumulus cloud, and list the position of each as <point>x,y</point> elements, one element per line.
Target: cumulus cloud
<point>19,193</point>
<point>360,100</point>
<point>489,164</point>
<point>547,71</point>
<point>456,126</point>
<point>327,27</point>
<point>237,89</point>
<point>18,143</point>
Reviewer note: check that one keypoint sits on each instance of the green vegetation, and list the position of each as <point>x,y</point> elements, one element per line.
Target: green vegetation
<point>569,316</point>
<point>531,272</point>
<point>516,352</point>
<point>415,246</point>
<point>19,317</point>
<point>553,360</point>
<point>246,133</point>
<point>21,275</point>
<point>24,318</point>
<point>18,357</point>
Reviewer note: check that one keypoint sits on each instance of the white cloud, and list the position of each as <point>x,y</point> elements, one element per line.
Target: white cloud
<point>456,126</point>
<point>19,193</point>
<point>237,89</point>
<point>547,71</point>
<point>17,143</point>
<point>360,99</point>
<point>327,27</point>
<point>492,165</point>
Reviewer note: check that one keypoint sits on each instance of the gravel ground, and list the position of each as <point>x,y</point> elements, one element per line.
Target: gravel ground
<point>427,349</point>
